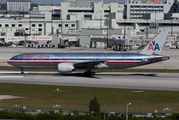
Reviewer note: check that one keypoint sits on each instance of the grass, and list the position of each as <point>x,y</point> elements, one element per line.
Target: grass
<point>44,96</point>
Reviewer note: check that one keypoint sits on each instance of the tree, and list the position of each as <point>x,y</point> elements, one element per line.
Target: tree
<point>94,106</point>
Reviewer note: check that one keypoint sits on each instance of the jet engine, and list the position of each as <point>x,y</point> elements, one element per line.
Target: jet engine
<point>65,67</point>
<point>102,66</point>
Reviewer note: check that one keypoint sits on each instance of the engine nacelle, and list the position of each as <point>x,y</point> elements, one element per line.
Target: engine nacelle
<point>102,66</point>
<point>65,67</point>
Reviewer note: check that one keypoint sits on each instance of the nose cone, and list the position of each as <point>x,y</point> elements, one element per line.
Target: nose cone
<point>12,60</point>
<point>9,61</point>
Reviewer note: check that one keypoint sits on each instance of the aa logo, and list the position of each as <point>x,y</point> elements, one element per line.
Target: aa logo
<point>153,46</point>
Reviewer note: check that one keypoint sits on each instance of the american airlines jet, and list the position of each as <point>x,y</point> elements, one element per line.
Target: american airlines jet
<point>68,62</point>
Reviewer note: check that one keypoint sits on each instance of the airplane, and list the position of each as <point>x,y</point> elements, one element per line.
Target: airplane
<point>69,62</point>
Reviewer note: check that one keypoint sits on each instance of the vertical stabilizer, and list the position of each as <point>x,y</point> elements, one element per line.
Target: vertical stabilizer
<point>155,46</point>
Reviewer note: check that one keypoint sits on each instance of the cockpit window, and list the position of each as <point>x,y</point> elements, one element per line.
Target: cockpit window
<point>12,58</point>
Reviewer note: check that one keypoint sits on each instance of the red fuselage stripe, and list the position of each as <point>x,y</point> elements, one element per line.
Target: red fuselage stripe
<point>68,61</point>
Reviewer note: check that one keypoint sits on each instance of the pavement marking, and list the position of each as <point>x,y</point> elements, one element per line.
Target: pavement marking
<point>11,76</point>
<point>9,97</point>
<point>3,72</point>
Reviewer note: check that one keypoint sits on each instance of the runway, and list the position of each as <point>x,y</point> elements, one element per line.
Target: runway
<point>128,80</point>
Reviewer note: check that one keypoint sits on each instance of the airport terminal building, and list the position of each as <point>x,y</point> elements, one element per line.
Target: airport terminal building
<point>86,19</point>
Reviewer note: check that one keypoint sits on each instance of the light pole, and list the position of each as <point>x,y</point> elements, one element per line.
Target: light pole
<point>61,21</point>
<point>104,111</point>
<point>146,32</point>
<point>107,33</point>
<point>127,111</point>
<point>124,22</point>
<point>171,27</point>
<point>100,18</point>
<point>51,26</point>
<point>124,30</point>
<point>30,23</point>
<point>155,18</point>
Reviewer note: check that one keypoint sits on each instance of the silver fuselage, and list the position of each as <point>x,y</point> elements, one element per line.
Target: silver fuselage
<point>51,60</point>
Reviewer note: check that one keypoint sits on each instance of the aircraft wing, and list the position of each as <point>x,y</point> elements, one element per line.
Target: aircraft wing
<point>89,63</point>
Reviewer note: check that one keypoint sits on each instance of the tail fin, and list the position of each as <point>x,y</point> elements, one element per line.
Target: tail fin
<point>155,46</point>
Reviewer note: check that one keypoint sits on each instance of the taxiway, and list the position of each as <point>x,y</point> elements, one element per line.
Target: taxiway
<point>144,81</point>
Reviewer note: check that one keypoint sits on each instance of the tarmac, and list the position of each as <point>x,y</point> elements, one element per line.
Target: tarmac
<point>128,80</point>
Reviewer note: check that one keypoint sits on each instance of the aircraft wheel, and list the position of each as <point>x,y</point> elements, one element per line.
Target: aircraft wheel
<point>93,73</point>
<point>85,73</point>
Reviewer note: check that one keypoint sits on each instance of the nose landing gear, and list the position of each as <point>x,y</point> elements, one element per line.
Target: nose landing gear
<point>22,72</point>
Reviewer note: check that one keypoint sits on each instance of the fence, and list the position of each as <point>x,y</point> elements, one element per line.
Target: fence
<point>84,107</point>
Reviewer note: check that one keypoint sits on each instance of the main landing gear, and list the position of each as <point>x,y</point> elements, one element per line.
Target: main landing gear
<point>89,73</point>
